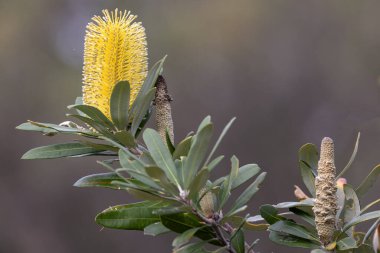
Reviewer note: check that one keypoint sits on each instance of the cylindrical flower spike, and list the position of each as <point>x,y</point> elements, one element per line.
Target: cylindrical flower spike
<point>325,207</point>
<point>162,101</point>
<point>115,50</point>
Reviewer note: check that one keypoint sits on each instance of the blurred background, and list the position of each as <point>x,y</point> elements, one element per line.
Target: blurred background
<point>291,71</point>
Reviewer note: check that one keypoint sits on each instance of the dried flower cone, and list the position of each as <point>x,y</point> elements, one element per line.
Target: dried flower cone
<point>325,207</point>
<point>162,101</point>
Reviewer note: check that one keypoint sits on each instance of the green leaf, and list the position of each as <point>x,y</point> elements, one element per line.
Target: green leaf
<point>160,154</point>
<point>156,229</point>
<point>225,190</point>
<point>60,150</point>
<point>182,148</point>
<point>238,241</point>
<point>161,179</point>
<point>169,142</point>
<point>292,241</point>
<point>126,138</point>
<point>270,214</point>
<point>371,230</point>
<point>249,192</point>
<point>198,183</point>
<point>368,181</point>
<point>135,216</point>
<point>346,244</point>
<point>119,104</point>
<point>185,237</point>
<point>196,247</point>
<point>303,214</point>
<point>306,202</point>
<point>129,161</point>
<point>370,205</point>
<point>48,128</point>
<point>197,153</point>
<point>99,180</point>
<point>225,130</point>
<point>245,173</point>
<point>99,146</point>
<point>142,111</point>
<point>148,84</point>
<point>144,179</point>
<point>309,154</point>
<point>307,177</point>
<point>319,251</point>
<point>351,204</point>
<point>28,126</point>
<point>352,158</point>
<point>291,228</point>
<point>215,162</point>
<point>361,218</point>
<point>97,126</point>
<point>182,222</point>
<point>95,114</point>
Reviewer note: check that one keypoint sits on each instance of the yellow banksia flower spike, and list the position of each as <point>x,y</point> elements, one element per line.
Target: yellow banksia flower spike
<point>115,50</point>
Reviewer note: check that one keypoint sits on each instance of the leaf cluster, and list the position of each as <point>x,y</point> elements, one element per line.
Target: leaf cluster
<point>296,227</point>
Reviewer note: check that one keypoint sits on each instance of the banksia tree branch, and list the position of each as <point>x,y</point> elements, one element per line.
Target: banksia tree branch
<point>325,207</point>
<point>162,101</point>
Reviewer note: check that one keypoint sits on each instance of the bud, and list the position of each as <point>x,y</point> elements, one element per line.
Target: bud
<point>300,195</point>
<point>207,203</point>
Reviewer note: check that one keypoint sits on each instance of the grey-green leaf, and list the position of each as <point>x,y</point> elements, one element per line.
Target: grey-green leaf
<point>197,153</point>
<point>352,158</point>
<point>95,114</point>
<point>346,244</point>
<point>309,154</point>
<point>60,150</point>
<point>142,110</point>
<point>238,241</point>
<point>99,180</point>
<point>225,130</point>
<point>131,217</point>
<point>294,229</point>
<point>361,218</point>
<point>368,181</point>
<point>185,237</point>
<point>292,241</point>
<point>249,192</point>
<point>246,172</point>
<point>270,214</point>
<point>156,229</point>
<point>160,154</point>
<point>119,104</point>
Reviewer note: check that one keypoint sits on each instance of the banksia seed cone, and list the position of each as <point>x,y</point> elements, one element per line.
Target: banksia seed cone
<point>162,101</point>
<point>115,50</point>
<point>207,203</point>
<point>325,207</point>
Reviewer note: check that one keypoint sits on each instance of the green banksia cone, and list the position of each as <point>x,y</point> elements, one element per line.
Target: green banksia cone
<point>325,207</point>
<point>162,101</point>
<point>207,203</point>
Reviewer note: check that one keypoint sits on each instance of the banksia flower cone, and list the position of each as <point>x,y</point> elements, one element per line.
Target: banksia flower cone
<point>115,50</point>
<point>325,207</point>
